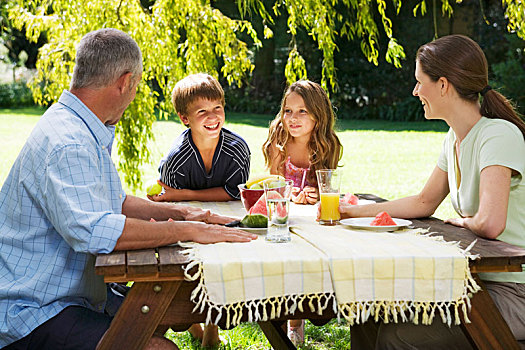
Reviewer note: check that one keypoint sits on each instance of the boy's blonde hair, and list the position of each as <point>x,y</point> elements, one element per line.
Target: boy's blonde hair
<point>195,86</point>
<point>325,149</point>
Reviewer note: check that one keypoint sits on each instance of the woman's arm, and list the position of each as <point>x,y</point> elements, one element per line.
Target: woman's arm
<point>421,205</point>
<point>494,190</point>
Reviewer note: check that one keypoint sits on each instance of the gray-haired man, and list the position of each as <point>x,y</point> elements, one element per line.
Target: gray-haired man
<point>63,203</point>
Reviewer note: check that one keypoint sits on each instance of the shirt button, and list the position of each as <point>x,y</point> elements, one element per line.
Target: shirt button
<point>103,147</point>
<point>120,196</point>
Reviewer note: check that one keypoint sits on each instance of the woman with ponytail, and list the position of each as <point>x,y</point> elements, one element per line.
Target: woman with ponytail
<point>481,166</point>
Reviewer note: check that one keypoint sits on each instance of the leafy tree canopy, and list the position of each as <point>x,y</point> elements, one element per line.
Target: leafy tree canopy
<point>180,37</point>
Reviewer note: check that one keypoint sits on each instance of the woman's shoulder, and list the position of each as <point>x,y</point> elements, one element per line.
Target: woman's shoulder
<point>490,127</point>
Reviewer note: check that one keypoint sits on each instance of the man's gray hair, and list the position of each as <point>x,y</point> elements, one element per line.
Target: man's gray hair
<point>103,56</point>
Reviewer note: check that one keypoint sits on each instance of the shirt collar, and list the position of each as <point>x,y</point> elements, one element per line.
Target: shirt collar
<point>104,134</point>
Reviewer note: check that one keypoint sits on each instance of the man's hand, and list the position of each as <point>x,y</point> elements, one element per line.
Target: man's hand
<point>204,233</point>
<point>206,216</point>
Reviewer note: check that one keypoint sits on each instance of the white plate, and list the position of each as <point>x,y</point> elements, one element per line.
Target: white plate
<point>364,223</point>
<point>256,230</point>
<point>365,201</point>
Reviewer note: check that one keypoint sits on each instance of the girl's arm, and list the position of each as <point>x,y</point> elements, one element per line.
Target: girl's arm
<point>494,190</point>
<point>423,204</point>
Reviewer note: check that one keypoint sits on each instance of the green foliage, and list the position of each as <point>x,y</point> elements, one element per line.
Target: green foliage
<point>175,40</point>
<point>182,37</point>
<point>15,95</point>
<point>515,12</point>
<point>509,75</point>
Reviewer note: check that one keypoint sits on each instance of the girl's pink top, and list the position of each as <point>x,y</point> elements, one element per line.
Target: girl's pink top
<point>298,175</point>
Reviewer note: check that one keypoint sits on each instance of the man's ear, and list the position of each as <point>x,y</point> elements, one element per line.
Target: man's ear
<point>123,83</point>
<point>183,119</point>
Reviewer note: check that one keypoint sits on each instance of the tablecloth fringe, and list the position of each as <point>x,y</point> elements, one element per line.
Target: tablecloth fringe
<point>356,312</point>
<point>416,311</point>
<point>257,310</point>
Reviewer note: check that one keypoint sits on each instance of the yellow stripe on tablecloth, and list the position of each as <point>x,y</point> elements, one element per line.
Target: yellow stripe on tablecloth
<point>235,272</point>
<point>369,266</point>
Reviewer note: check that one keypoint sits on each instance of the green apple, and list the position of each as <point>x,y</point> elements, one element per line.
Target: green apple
<point>154,189</point>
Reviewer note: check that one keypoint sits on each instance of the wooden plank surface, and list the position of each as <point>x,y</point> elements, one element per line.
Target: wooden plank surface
<point>171,260</point>
<point>491,252</point>
<point>276,335</point>
<point>139,315</point>
<point>111,264</point>
<point>142,262</point>
<point>487,329</point>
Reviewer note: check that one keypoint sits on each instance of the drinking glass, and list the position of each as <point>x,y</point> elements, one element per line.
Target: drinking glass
<point>329,181</point>
<point>278,206</point>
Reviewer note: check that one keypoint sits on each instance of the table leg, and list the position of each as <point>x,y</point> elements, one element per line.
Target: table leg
<point>139,315</point>
<point>488,329</point>
<point>276,335</point>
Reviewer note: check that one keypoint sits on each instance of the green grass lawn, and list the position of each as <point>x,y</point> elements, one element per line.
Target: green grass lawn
<point>388,159</point>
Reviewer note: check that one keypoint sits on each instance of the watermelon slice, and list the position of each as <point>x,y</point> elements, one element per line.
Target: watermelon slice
<point>260,206</point>
<point>282,214</point>
<point>383,219</point>
<point>350,199</point>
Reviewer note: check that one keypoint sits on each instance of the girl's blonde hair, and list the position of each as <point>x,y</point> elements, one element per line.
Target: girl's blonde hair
<point>324,147</point>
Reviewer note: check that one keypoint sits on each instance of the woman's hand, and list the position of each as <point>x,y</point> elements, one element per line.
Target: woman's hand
<point>460,222</point>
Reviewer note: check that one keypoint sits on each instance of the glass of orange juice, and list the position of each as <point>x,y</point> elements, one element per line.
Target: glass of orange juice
<point>329,182</point>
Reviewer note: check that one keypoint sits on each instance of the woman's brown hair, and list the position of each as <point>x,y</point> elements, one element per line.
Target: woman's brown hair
<point>460,59</point>
<point>324,147</point>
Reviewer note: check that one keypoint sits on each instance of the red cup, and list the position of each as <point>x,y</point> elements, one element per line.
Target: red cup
<point>248,196</point>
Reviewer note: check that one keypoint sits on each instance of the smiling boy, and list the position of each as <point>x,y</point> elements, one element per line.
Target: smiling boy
<point>207,161</point>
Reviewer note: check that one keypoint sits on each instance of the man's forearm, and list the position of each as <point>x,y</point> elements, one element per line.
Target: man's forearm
<point>139,208</point>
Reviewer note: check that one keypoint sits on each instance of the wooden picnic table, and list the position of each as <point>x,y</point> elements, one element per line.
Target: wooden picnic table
<point>160,297</point>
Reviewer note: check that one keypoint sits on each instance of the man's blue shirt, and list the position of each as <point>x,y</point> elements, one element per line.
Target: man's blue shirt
<point>60,205</point>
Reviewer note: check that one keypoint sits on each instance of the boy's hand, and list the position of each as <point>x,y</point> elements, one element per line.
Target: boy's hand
<point>169,194</point>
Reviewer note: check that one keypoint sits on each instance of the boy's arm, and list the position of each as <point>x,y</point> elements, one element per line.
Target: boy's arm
<point>215,194</point>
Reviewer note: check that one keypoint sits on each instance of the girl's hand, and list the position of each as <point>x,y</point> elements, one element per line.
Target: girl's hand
<point>311,194</point>
<point>300,198</point>
<point>307,196</point>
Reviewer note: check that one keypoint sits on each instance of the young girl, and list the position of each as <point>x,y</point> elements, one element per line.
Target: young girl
<point>300,141</point>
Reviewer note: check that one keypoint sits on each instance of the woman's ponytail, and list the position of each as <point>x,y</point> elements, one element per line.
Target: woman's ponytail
<point>496,106</point>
